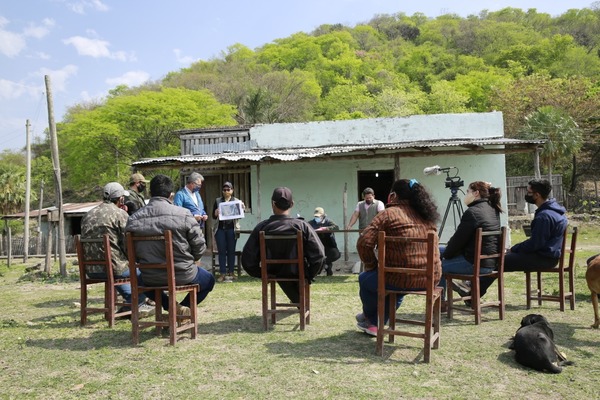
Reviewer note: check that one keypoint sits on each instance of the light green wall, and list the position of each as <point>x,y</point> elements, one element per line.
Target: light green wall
<point>321,183</point>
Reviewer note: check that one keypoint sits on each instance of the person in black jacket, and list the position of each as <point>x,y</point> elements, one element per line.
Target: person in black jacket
<point>324,227</point>
<point>483,211</point>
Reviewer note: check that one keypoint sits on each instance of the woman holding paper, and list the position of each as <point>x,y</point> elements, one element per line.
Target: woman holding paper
<point>225,235</point>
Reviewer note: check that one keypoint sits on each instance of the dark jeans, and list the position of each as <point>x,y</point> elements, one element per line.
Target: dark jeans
<point>205,281</point>
<point>225,239</point>
<point>520,262</point>
<point>367,284</point>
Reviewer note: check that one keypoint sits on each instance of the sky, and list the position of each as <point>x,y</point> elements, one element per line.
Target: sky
<point>88,47</point>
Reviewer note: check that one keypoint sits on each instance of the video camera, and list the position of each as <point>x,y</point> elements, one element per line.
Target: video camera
<point>452,182</point>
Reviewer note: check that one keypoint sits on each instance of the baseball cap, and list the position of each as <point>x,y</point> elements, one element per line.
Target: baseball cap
<point>114,190</point>
<point>137,177</point>
<point>319,212</point>
<point>282,197</point>
<point>228,185</point>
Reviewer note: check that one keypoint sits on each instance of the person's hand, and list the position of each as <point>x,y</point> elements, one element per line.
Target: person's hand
<point>204,217</point>
<point>321,229</point>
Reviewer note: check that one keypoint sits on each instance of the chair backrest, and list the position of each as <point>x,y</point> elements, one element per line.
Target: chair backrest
<point>94,252</point>
<point>168,265</point>
<point>284,250</point>
<point>498,255</point>
<point>570,251</point>
<point>385,241</point>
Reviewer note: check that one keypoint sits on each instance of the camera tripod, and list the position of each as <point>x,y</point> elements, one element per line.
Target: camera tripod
<point>455,204</point>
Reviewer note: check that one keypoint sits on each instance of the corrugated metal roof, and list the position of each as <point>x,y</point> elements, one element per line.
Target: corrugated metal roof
<point>68,209</point>
<point>295,153</point>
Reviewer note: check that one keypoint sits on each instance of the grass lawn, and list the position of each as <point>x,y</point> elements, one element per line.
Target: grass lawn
<point>44,353</point>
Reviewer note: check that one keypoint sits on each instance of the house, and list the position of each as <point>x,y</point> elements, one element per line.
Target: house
<point>329,163</point>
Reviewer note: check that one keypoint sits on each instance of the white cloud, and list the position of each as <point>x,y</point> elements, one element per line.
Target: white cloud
<point>131,78</point>
<point>185,60</point>
<point>15,90</point>
<point>11,43</point>
<point>97,48</point>
<point>81,6</point>
<point>59,77</point>
<point>39,31</point>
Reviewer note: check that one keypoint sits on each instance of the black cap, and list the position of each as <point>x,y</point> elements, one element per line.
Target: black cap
<point>282,197</point>
<point>228,185</point>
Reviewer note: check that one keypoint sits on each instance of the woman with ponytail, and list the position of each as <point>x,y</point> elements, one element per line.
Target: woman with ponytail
<point>410,212</point>
<point>483,211</point>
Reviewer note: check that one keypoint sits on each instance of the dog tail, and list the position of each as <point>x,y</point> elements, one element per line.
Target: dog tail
<point>566,363</point>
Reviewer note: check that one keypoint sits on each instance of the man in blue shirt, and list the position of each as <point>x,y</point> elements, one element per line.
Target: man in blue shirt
<point>189,197</point>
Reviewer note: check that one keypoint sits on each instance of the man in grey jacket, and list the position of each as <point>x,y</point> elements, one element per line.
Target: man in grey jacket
<point>188,242</point>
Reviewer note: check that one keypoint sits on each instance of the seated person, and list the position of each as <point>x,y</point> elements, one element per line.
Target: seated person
<point>159,215</point>
<point>410,212</point>
<point>110,218</point>
<point>324,227</point>
<point>483,211</point>
<point>282,223</point>
<point>542,249</point>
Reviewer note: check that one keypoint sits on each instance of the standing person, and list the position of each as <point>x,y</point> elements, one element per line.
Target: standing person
<point>483,211</point>
<point>324,227</point>
<point>282,223</point>
<point>226,236</point>
<point>155,218</point>
<point>542,249</point>
<point>110,218</point>
<point>137,188</point>
<point>410,212</point>
<point>189,197</point>
<point>366,210</point>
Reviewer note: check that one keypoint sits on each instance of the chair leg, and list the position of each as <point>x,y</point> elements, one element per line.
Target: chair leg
<point>392,316</point>
<point>273,303</point>
<point>449,298</point>
<point>437,310</point>
<point>539,288</point>
<point>83,301</point>
<point>307,286</point>
<point>561,290</point>
<point>265,304</point>
<point>428,328</point>
<point>194,312</point>
<point>572,287</point>
<point>501,296</point>
<point>302,305</point>
<point>110,301</point>
<point>528,288</point>
<point>476,300</point>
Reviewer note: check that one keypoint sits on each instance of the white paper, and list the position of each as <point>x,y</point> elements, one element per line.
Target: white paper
<point>230,210</point>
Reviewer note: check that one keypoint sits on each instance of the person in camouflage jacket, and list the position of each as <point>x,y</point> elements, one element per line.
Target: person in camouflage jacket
<point>109,218</point>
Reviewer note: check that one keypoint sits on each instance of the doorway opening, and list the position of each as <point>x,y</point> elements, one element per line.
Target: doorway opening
<point>379,180</point>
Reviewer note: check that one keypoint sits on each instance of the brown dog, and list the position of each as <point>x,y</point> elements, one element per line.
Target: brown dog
<point>592,276</point>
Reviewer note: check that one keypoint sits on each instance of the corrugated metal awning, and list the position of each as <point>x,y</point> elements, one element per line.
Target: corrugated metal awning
<point>427,148</point>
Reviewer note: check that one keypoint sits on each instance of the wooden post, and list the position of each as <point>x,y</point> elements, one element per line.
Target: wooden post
<point>57,179</point>
<point>38,244</point>
<point>47,268</point>
<point>258,197</point>
<point>27,195</point>
<point>9,246</point>
<point>345,211</point>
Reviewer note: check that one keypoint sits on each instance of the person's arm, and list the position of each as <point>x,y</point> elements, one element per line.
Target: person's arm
<point>368,240</point>
<point>216,209</point>
<point>540,234</point>
<point>314,252</point>
<point>353,219</point>
<point>462,236</point>
<point>178,199</point>
<point>195,238</point>
<point>380,206</point>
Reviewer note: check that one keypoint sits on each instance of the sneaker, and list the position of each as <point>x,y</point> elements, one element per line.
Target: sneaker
<point>367,328</point>
<point>145,310</point>
<point>150,302</point>
<point>183,310</point>
<point>123,317</point>
<point>228,279</point>
<point>461,288</point>
<point>221,278</point>
<point>360,317</point>
<point>232,276</point>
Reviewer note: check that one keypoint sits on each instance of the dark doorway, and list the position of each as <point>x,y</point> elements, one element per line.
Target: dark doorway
<point>380,181</point>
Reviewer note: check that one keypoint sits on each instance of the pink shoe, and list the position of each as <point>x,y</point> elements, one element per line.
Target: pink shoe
<point>367,328</point>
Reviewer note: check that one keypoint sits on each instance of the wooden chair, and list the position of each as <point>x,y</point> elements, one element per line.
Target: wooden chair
<point>175,323</point>
<point>269,263</point>
<point>498,274</point>
<point>561,269</point>
<point>110,283</point>
<point>432,294</point>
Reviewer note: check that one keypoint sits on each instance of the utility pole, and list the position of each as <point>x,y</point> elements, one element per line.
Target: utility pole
<point>39,225</point>
<point>27,195</point>
<point>57,180</point>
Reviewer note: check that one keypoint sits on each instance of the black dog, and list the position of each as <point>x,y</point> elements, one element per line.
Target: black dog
<point>534,345</point>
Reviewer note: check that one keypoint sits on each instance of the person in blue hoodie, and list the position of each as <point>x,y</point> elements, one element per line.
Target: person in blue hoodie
<point>542,249</point>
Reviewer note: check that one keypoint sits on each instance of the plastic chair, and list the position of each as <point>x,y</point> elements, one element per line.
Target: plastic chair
<point>561,269</point>
<point>110,297</point>
<point>175,323</point>
<point>498,273</point>
<point>432,294</point>
<point>275,252</point>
